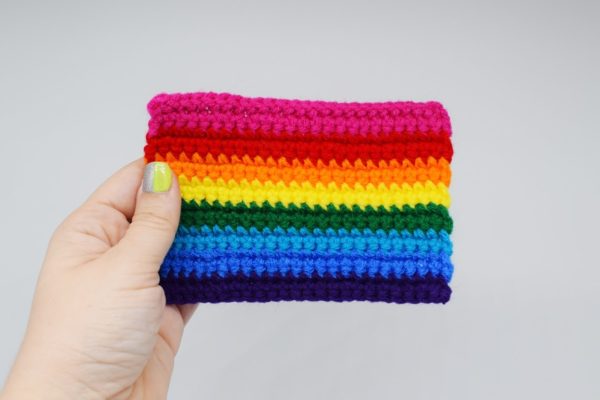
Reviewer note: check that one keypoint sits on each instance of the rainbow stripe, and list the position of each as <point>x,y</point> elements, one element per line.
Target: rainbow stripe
<point>305,200</point>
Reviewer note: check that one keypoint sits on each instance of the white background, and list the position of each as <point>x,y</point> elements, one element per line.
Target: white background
<point>521,82</point>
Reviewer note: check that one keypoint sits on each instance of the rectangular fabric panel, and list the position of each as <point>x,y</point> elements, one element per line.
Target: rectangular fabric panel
<point>305,200</point>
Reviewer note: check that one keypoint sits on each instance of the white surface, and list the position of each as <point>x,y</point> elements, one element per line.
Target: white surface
<point>521,83</point>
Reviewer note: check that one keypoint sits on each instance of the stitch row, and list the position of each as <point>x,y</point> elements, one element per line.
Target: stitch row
<point>319,194</point>
<point>305,172</point>
<point>214,289</point>
<point>301,150</point>
<point>208,112</point>
<point>278,239</point>
<point>281,162</point>
<point>361,263</point>
<point>421,217</point>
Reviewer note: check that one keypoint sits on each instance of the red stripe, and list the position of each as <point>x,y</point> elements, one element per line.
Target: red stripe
<point>325,151</point>
<point>210,132</point>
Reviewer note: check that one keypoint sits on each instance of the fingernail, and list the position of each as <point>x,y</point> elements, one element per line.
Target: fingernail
<point>157,177</point>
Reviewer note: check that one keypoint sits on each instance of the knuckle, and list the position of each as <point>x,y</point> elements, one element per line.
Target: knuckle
<point>154,220</point>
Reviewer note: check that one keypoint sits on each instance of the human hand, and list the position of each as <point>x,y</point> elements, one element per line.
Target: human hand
<point>99,327</point>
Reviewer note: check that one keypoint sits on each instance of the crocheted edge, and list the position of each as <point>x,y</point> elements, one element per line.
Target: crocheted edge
<point>225,114</point>
<point>252,289</point>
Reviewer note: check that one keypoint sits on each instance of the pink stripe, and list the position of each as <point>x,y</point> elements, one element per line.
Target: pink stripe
<point>193,113</point>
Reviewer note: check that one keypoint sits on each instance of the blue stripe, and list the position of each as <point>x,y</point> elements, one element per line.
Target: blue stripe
<point>417,242</point>
<point>298,263</point>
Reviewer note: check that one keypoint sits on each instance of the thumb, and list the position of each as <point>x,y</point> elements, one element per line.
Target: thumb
<point>154,220</point>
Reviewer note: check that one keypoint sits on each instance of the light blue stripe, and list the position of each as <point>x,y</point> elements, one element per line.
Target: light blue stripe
<point>330,240</point>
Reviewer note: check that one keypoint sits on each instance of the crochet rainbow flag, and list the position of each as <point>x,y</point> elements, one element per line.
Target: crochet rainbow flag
<point>305,200</point>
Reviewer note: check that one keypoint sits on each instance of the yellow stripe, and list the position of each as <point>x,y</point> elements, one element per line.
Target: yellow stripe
<point>318,194</point>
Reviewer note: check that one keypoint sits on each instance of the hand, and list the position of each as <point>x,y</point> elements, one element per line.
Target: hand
<point>99,327</point>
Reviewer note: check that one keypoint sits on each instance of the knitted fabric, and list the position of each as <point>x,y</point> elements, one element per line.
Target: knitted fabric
<point>305,200</point>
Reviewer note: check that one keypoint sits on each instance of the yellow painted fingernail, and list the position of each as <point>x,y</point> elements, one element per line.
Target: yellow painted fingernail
<point>157,177</point>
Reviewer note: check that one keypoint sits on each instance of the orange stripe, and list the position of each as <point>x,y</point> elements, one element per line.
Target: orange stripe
<point>239,168</point>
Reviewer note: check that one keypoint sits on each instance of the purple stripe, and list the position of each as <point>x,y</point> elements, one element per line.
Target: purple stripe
<point>215,289</point>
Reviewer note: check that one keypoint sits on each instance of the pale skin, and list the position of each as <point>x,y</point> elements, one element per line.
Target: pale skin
<point>99,327</point>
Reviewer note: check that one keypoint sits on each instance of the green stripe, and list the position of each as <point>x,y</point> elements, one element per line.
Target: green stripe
<point>424,217</point>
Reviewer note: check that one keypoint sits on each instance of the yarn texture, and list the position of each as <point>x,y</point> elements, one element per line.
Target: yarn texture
<point>305,200</point>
